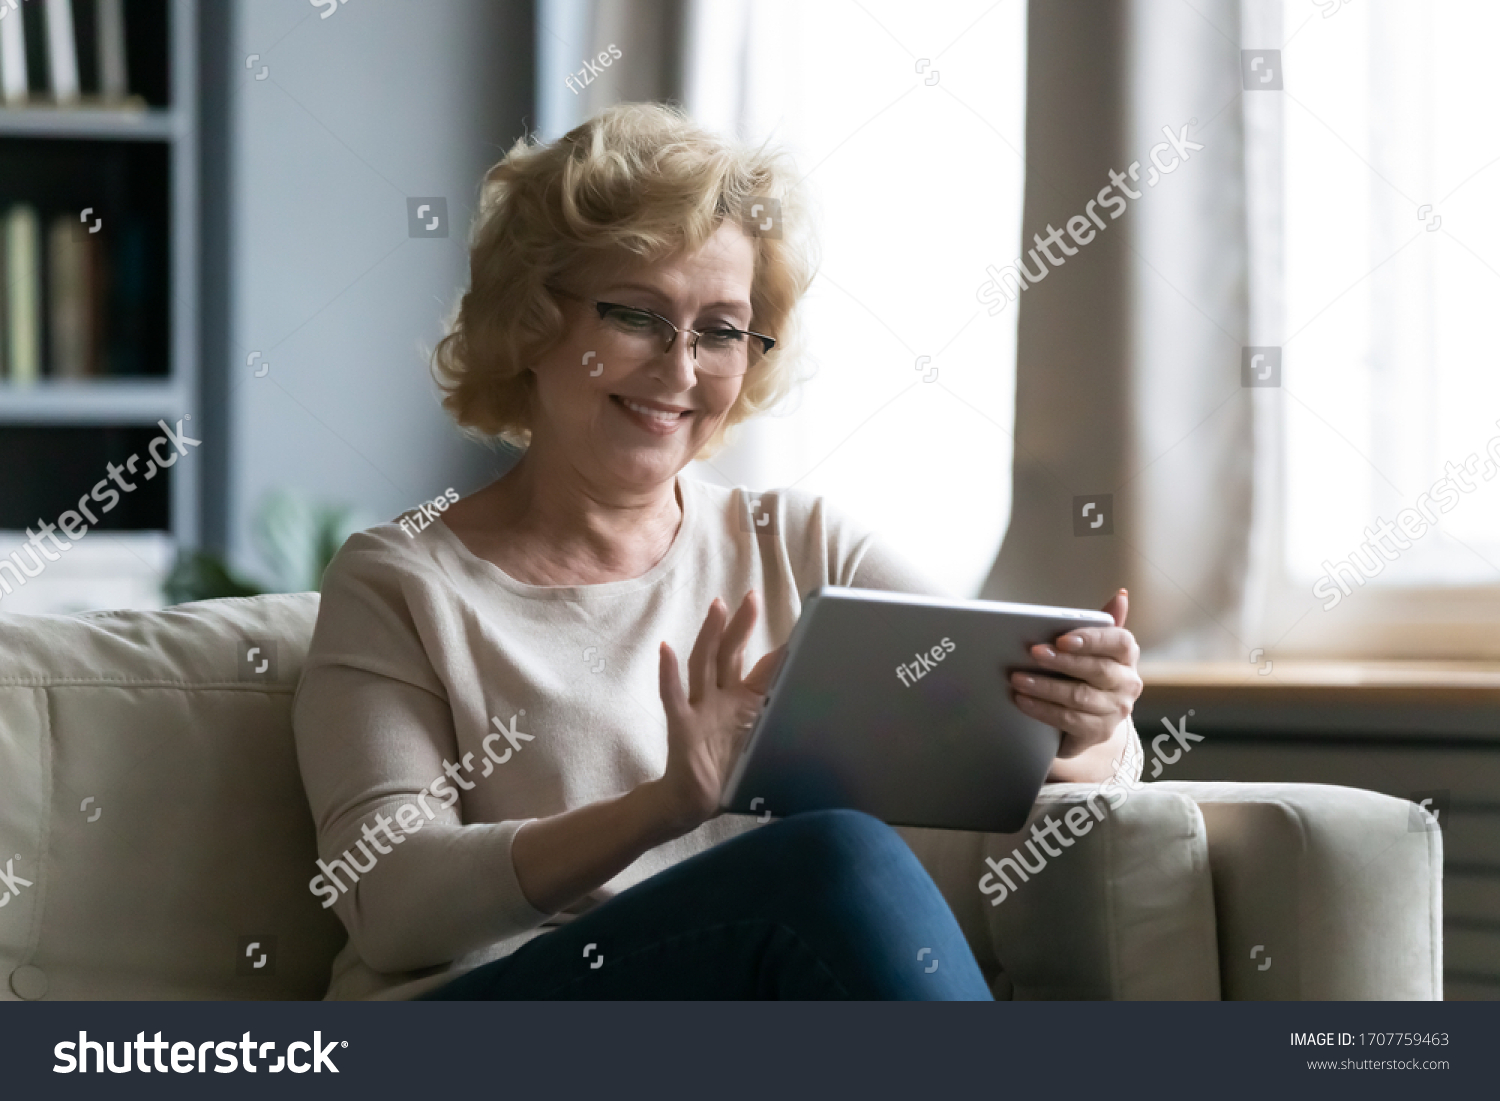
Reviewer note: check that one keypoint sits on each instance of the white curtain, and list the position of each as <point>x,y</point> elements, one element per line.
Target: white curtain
<point>1129,396</point>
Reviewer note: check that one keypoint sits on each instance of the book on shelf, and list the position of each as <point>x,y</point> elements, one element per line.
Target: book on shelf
<point>34,29</point>
<point>75,304</point>
<point>59,51</point>
<point>72,309</point>
<point>23,298</point>
<point>13,83</point>
<point>109,48</point>
<point>127,310</point>
<point>86,37</point>
<point>62,51</point>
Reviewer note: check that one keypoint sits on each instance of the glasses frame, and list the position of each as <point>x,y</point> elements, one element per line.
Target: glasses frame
<point>603,308</point>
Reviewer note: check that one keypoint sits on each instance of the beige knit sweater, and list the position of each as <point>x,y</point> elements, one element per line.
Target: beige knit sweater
<point>443,704</point>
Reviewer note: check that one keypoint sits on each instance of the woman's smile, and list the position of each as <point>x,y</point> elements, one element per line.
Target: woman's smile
<point>655,417</point>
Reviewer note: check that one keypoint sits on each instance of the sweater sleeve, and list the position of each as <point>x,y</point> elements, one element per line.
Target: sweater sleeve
<point>871,562</point>
<point>374,731</point>
<point>880,567</point>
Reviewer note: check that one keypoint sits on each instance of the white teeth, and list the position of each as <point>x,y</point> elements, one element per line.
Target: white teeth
<point>656,414</point>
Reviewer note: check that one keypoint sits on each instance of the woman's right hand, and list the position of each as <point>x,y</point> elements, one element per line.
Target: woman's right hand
<point>707,726</point>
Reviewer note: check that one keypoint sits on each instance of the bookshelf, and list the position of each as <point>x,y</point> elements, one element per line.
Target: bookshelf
<point>123,123</point>
<point>136,162</point>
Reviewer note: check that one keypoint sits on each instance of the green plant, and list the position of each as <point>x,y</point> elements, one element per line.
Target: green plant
<point>200,575</point>
<point>295,537</point>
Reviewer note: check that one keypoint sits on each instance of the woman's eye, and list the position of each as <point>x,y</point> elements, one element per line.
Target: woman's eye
<point>723,338</point>
<point>632,319</point>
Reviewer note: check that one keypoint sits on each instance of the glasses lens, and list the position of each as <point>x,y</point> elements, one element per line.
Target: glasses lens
<point>638,334</point>
<point>625,320</point>
<point>723,352</point>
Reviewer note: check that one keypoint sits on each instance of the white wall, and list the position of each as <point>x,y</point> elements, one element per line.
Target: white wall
<point>382,100</point>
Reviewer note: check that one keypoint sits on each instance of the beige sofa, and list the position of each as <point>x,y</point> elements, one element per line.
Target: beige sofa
<point>156,843</point>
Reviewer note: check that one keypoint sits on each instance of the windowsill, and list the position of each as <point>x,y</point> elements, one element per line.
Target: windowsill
<point>1426,675</point>
<point>1301,701</point>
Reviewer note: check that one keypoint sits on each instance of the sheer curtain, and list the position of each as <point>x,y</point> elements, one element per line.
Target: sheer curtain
<point>908,124</point>
<point>1135,449</point>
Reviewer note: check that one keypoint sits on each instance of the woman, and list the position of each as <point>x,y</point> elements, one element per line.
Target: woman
<point>492,722</point>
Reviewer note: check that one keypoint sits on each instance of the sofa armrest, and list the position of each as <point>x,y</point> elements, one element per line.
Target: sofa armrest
<point>1342,888</point>
<point>1123,912</point>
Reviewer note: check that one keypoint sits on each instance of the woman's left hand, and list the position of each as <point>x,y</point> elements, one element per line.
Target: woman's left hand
<point>1090,707</point>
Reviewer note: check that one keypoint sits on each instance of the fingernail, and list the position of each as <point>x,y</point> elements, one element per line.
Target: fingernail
<point>1047,652</point>
<point>1024,681</point>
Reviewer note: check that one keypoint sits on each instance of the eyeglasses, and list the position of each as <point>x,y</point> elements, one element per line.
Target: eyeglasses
<point>723,351</point>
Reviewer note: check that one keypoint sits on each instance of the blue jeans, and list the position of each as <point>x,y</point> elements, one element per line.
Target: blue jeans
<point>829,904</point>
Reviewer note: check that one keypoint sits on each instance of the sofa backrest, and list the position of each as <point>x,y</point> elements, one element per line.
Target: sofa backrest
<point>155,839</point>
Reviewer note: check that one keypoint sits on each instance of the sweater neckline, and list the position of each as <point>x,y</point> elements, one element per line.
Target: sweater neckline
<point>604,589</point>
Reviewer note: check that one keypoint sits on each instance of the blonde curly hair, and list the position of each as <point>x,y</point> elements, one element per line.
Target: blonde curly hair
<point>639,177</point>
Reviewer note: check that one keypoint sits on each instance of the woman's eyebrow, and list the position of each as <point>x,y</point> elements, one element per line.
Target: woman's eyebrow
<point>661,297</point>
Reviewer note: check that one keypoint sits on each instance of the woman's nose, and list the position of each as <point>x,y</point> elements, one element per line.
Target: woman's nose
<point>677,364</point>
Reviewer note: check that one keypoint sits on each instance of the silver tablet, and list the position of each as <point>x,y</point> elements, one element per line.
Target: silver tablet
<point>900,706</point>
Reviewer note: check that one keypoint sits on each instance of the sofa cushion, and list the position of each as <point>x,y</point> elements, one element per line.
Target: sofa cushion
<point>1123,911</point>
<point>153,825</point>
<point>1323,893</point>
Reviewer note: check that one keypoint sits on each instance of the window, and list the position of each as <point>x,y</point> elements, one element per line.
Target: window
<point>1391,154</point>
